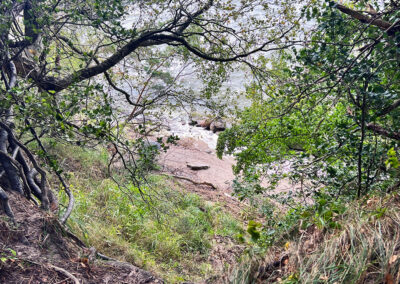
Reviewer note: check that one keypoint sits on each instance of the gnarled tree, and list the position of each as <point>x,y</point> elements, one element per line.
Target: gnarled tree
<point>53,54</point>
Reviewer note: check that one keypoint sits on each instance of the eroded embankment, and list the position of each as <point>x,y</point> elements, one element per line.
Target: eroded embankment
<point>37,249</point>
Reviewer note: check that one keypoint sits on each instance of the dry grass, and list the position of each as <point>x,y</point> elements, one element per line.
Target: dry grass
<point>365,249</point>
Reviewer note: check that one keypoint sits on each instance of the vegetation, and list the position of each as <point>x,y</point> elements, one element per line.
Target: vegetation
<point>79,80</point>
<point>329,111</point>
<point>172,233</point>
<point>361,248</point>
<point>329,115</point>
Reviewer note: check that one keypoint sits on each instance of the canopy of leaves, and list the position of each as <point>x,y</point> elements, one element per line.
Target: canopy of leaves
<point>332,110</point>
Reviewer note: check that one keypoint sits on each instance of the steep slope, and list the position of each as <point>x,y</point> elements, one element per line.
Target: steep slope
<point>37,249</point>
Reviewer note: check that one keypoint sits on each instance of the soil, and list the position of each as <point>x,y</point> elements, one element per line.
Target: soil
<point>37,249</point>
<point>214,184</point>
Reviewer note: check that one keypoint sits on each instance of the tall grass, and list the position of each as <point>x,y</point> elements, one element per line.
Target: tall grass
<point>365,250</point>
<point>364,247</point>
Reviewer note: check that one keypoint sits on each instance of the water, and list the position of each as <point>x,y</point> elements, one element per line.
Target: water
<point>179,126</point>
<point>186,74</point>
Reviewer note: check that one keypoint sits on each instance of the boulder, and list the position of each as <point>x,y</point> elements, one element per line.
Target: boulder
<point>217,125</point>
<point>205,123</point>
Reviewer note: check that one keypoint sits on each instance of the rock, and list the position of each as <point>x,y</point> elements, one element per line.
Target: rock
<point>217,125</point>
<point>197,167</point>
<point>194,118</point>
<point>205,123</point>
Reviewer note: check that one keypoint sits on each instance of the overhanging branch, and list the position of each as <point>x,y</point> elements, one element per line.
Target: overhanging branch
<point>375,21</point>
<point>383,132</point>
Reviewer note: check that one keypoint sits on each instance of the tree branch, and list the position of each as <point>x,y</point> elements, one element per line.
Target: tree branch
<point>389,109</point>
<point>153,38</point>
<point>383,132</point>
<point>383,25</point>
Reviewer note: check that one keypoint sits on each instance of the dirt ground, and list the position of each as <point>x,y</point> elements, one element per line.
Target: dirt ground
<point>36,249</point>
<point>213,184</point>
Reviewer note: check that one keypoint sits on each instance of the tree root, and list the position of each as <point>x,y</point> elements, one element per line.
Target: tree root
<point>6,205</point>
<point>56,268</point>
<point>65,272</point>
<point>71,199</point>
<point>192,181</point>
<point>14,155</point>
<point>45,200</point>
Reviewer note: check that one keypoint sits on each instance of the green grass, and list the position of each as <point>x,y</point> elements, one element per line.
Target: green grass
<point>169,232</point>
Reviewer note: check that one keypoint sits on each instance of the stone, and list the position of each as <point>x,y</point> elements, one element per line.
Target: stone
<point>217,125</point>
<point>152,144</point>
<point>205,123</point>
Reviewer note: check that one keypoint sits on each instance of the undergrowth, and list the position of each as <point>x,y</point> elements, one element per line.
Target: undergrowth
<point>332,241</point>
<point>160,227</point>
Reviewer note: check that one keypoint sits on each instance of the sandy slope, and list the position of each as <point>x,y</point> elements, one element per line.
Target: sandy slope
<point>219,174</point>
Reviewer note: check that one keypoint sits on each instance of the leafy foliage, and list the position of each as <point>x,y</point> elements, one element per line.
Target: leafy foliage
<point>329,114</point>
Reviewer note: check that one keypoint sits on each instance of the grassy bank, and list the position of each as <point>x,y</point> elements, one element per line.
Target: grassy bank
<point>175,234</point>
<point>162,228</point>
<point>333,242</point>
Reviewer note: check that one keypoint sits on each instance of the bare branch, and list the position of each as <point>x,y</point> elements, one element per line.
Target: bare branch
<point>383,25</point>
<point>383,132</point>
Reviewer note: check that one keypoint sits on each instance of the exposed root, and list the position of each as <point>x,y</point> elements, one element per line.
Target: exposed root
<point>45,200</point>
<point>65,272</point>
<point>14,155</point>
<point>56,268</point>
<point>6,205</point>
<point>192,181</point>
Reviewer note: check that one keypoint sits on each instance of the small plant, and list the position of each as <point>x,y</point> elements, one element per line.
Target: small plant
<point>8,255</point>
<point>327,211</point>
<point>253,230</point>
